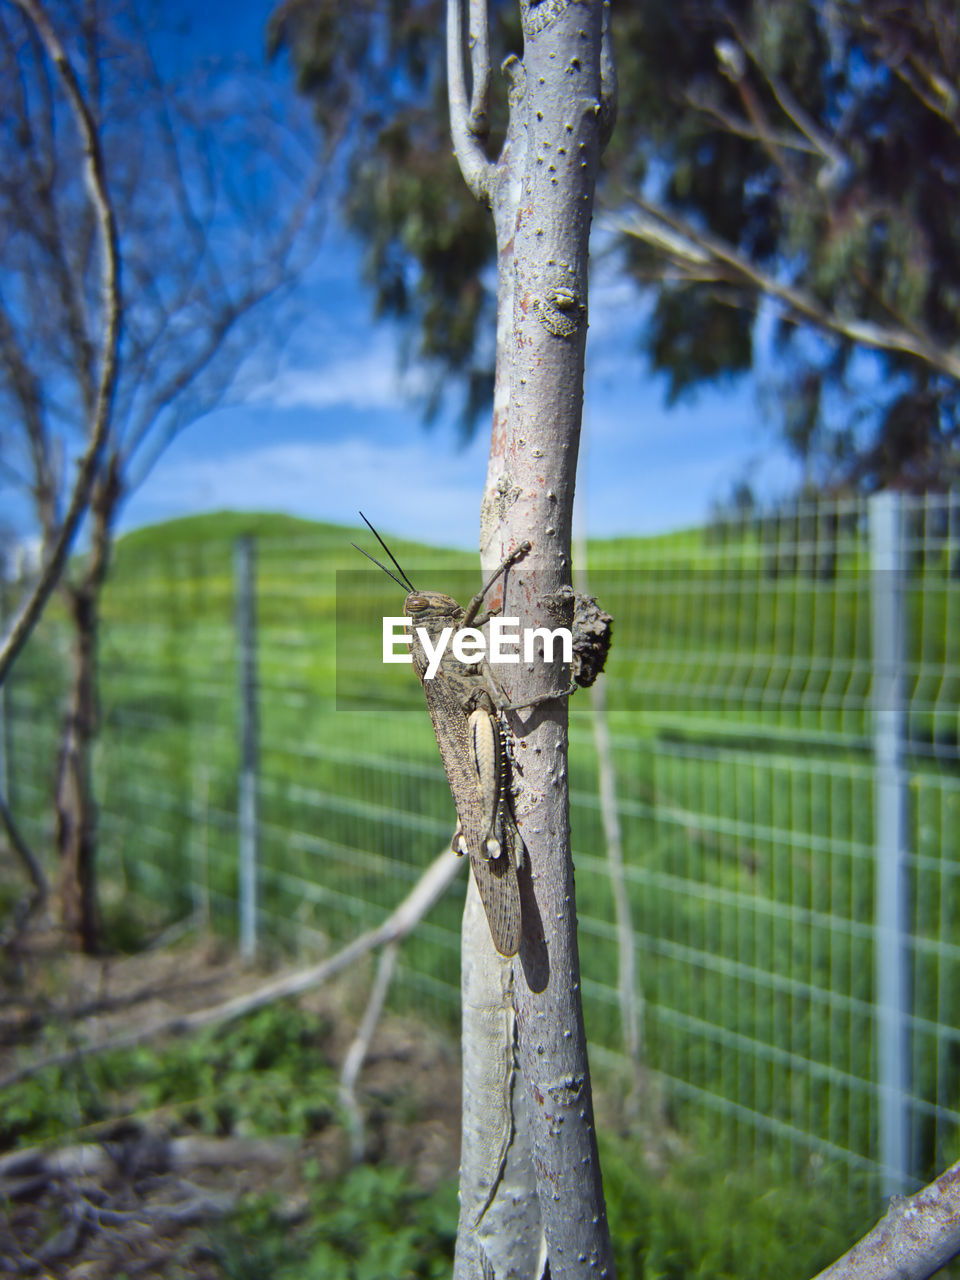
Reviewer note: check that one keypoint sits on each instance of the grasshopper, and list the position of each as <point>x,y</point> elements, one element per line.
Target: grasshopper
<point>463,702</point>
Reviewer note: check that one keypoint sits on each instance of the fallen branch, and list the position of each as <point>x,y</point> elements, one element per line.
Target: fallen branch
<point>137,1152</point>
<point>917,1236</point>
<point>85,1218</point>
<point>397,925</point>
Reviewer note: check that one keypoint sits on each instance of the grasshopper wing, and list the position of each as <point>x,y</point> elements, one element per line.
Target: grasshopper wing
<point>496,877</point>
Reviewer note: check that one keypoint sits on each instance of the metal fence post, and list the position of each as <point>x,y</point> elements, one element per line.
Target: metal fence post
<point>245,572</point>
<point>887,566</point>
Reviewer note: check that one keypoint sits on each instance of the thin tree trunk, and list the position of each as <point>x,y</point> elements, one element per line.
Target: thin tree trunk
<point>76,809</point>
<point>75,804</point>
<point>541,193</point>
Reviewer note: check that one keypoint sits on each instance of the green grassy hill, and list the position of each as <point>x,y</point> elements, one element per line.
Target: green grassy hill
<point>738,701</point>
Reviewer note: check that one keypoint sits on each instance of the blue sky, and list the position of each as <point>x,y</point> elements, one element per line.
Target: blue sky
<point>334,427</point>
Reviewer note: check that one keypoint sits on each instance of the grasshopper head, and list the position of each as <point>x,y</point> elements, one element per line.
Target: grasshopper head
<point>429,606</point>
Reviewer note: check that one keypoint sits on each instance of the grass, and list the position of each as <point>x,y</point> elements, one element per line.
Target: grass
<point>269,1075</point>
<point>738,691</point>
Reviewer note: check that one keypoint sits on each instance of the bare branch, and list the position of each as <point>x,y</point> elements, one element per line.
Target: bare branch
<point>170,389</point>
<point>361,1047</point>
<point>26,389</point>
<point>934,87</point>
<point>798,116</point>
<point>145,429</point>
<point>474,165</point>
<point>608,80</point>
<point>480,66</point>
<point>918,1236</point>
<point>39,219</point>
<point>197,230</point>
<point>742,128</point>
<point>138,1150</point>
<point>26,855</point>
<point>930,89</point>
<point>99,196</point>
<point>703,256</point>
<point>731,58</point>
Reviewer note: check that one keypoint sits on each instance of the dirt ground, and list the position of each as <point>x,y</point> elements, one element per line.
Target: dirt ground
<point>136,1215</point>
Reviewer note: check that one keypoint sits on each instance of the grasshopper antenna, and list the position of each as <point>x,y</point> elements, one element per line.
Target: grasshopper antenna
<point>405,583</point>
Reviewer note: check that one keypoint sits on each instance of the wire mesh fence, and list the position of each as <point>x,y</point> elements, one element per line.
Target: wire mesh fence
<point>782,704</point>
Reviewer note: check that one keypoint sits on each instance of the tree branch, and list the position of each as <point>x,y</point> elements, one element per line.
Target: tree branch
<point>479,41</point>
<point>26,855</point>
<point>360,1047</point>
<point>802,121</point>
<point>702,255</point>
<point>742,128</point>
<point>608,80</point>
<point>940,98</point>
<point>168,390</point>
<point>936,89</point>
<point>918,1235</point>
<point>39,220</point>
<point>474,165</point>
<point>731,57</point>
<point>99,196</point>
<point>26,389</point>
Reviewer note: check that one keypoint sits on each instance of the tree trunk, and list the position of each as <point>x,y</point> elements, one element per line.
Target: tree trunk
<point>76,809</point>
<point>541,193</point>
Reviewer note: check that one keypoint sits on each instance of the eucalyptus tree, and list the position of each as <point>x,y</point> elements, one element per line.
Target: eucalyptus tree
<point>148,214</point>
<point>793,163</point>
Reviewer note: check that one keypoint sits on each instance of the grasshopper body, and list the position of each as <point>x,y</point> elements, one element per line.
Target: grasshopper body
<point>463,700</point>
<point>471,746</point>
<point>470,738</point>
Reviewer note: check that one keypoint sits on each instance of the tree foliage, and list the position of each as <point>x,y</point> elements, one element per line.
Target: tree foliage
<point>783,182</point>
<point>429,245</point>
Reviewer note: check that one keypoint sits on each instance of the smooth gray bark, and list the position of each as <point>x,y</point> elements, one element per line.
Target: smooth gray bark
<point>919,1235</point>
<point>541,193</point>
<point>500,1226</point>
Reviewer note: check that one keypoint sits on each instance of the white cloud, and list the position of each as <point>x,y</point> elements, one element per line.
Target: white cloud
<point>412,488</point>
<point>368,381</point>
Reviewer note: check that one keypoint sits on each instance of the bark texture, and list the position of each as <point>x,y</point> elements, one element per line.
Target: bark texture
<point>919,1235</point>
<point>500,1226</point>
<point>541,193</point>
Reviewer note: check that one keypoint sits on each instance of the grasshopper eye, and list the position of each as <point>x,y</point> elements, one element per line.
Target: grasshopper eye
<point>416,603</point>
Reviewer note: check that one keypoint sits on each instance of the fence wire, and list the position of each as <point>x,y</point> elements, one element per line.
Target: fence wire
<point>755,744</point>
